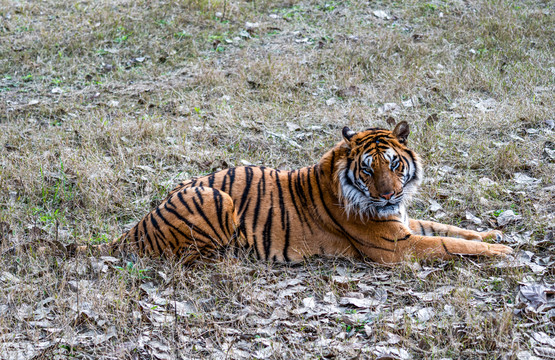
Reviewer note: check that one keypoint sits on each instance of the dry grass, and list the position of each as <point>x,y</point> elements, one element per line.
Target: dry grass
<point>104,106</point>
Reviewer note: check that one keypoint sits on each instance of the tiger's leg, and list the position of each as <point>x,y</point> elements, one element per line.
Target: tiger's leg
<point>430,228</point>
<point>192,223</point>
<point>434,247</point>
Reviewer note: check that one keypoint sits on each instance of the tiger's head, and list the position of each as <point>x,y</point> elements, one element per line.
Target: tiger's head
<point>378,173</point>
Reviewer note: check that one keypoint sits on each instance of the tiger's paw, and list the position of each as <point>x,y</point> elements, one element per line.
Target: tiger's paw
<point>498,250</point>
<point>493,235</point>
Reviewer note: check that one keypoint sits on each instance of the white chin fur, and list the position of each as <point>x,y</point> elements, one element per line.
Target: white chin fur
<point>357,203</point>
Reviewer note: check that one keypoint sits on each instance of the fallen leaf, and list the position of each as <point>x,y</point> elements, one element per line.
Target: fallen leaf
<point>309,303</point>
<point>425,314</point>
<point>292,126</point>
<point>527,258</point>
<point>507,217</point>
<point>251,26</point>
<point>393,339</point>
<point>545,352</point>
<point>289,282</point>
<point>534,293</point>
<point>8,278</point>
<point>159,350</point>
<point>391,353</point>
<point>408,103</point>
<point>380,14</point>
<point>435,206</point>
<point>329,298</point>
<point>486,105</point>
<point>343,281</point>
<point>487,182</point>
<point>279,314</point>
<point>474,219</point>
<point>524,179</point>
<point>360,303</point>
<point>330,101</point>
<point>388,108</point>
<point>549,151</point>
<point>543,338</point>
<point>291,291</point>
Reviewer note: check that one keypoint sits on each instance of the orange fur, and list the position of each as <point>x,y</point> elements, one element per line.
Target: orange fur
<point>351,203</point>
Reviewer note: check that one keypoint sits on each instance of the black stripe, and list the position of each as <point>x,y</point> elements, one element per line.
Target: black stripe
<point>136,238</point>
<point>248,184</point>
<point>218,202</point>
<point>281,202</point>
<point>401,239</point>
<point>184,220</point>
<point>177,242</point>
<point>256,247</point>
<point>183,202</point>
<point>242,226</point>
<point>147,235</point>
<point>231,173</point>
<point>154,223</point>
<point>267,232</point>
<point>205,218</point>
<point>385,220</point>
<point>224,181</point>
<point>413,161</point>
<point>374,136</point>
<point>172,204</point>
<point>332,163</point>
<point>422,230</point>
<point>287,235</point>
<point>293,200</point>
<point>445,248</point>
<point>211,180</point>
<point>159,238</point>
<point>200,195</point>
<point>300,190</point>
<point>257,207</point>
<point>310,185</point>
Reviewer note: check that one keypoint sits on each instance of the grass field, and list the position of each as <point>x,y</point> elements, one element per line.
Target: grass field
<point>106,105</point>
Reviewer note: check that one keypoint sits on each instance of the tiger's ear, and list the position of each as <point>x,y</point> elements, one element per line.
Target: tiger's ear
<point>402,131</point>
<point>348,134</point>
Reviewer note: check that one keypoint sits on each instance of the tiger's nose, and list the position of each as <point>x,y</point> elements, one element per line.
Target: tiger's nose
<point>387,196</point>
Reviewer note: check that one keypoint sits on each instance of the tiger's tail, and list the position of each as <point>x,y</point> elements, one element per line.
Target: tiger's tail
<point>114,248</point>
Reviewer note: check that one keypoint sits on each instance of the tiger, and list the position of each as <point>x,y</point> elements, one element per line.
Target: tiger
<point>352,203</point>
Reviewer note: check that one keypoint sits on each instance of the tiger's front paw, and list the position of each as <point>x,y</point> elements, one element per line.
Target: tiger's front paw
<point>498,250</point>
<point>494,235</point>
